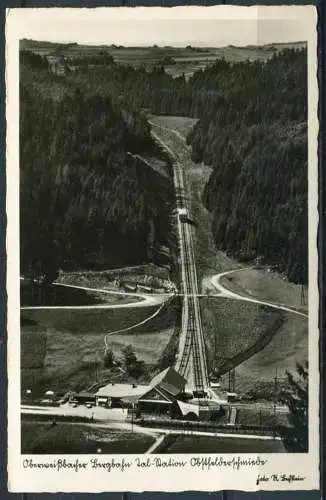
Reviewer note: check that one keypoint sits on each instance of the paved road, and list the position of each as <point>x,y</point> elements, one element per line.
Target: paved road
<point>191,362</point>
<point>116,419</point>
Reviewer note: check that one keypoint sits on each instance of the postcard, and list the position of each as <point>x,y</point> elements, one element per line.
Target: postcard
<point>162,194</point>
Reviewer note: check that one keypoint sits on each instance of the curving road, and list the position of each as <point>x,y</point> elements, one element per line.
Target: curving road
<point>145,300</point>
<point>227,293</point>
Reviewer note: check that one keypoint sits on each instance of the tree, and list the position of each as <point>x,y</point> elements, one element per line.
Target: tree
<point>295,397</point>
<point>129,355</point>
<point>108,358</point>
<point>134,367</point>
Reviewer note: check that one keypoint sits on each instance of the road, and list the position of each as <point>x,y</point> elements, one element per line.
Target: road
<point>144,300</point>
<point>116,419</point>
<point>227,293</point>
<point>191,360</point>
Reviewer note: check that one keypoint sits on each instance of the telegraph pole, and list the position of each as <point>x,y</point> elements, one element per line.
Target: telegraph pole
<point>275,401</point>
<point>132,416</point>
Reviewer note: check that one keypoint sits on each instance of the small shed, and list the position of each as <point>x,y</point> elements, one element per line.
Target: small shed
<point>85,397</point>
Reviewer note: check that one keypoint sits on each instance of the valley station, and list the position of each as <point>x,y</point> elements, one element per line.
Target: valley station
<point>165,396</point>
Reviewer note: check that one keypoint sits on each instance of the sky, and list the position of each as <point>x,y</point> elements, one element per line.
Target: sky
<point>197,26</point>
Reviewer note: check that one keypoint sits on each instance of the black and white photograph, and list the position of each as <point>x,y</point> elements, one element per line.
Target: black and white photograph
<point>166,262</point>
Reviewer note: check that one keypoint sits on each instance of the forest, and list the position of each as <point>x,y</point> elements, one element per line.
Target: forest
<point>85,200</point>
<point>252,130</point>
<point>254,134</point>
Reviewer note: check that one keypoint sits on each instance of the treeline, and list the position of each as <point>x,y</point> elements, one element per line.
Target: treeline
<point>85,201</point>
<point>252,130</point>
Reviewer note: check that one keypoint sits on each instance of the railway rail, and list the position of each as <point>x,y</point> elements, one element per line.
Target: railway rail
<point>191,362</point>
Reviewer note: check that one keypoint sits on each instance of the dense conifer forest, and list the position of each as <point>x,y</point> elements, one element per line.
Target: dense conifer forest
<point>77,130</point>
<point>86,201</point>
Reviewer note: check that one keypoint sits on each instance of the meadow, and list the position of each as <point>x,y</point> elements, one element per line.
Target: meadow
<point>63,350</point>
<point>235,329</point>
<point>73,438</point>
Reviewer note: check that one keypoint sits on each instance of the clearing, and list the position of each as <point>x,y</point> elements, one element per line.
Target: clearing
<point>63,349</point>
<point>234,330</point>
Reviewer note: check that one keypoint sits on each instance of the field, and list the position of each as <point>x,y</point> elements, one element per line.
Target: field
<point>266,418</point>
<point>176,61</point>
<point>63,349</point>
<point>220,444</point>
<point>73,438</point>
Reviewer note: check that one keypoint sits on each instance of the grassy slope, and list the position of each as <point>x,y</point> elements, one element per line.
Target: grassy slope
<point>267,286</point>
<point>75,438</point>
<point>290,340</point>
<point>63,349</point>
<point>288,346</point>
<point>232,327</point>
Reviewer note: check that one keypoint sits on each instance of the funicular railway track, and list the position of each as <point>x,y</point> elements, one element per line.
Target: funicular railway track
<point>191,362</point>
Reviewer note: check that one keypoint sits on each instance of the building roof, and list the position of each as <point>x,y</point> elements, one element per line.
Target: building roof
<point>122,390</point>
<point>170,381</point>
<point>157,395</point>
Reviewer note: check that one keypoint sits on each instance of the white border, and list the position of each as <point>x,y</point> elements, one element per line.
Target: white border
<point>21,23</point>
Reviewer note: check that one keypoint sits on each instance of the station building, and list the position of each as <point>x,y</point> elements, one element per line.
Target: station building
<point>157,398</point>
<point>116,395</point>
<point>161,396</point>
<point>165,396</point>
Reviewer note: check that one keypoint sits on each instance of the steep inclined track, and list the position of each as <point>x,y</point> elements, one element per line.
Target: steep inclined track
<point>191,362</point>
